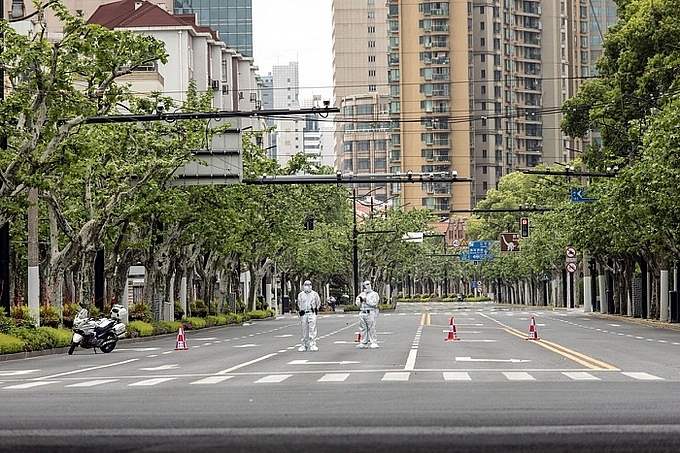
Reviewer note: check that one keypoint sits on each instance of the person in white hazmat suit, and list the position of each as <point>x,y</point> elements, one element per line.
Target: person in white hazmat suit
<point>367,301</point>
<point>308,302</point>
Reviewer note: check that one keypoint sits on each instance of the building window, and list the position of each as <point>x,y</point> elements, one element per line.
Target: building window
<point>371,44</point>
<point>363,145</point>
<point>371,29</point>
<point>364,164</point>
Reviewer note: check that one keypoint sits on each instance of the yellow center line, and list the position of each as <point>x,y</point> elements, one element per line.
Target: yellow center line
<point>425,319</point>
<point>585,360</point>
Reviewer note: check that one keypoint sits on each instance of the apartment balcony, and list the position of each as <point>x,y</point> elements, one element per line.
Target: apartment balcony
<point>144,81</point>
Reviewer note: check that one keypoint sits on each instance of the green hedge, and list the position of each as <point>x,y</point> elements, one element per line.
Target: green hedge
<point>136,329</point>
<point>10,344</point>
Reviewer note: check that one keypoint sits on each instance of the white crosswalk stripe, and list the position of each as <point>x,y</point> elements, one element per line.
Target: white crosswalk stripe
<point>334,377</point>
<point>212,380</point>
<point>273,379</point>
<point>150,382</point>
<point>518,376</point>
<point>456,376</point>
<point>581,376</point>
<point>28,385</point>
<point>642,376</point>
<point>396,376</point>
<point>91,383</point>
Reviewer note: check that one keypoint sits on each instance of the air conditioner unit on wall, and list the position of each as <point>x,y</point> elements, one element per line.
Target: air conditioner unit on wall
<point>215,84</point>
<point>225,88</point>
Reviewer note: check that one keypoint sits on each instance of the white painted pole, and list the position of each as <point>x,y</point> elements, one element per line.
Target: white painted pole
<point>663,313</point>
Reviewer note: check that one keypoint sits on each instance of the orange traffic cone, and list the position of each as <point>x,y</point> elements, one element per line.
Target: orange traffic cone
<point>181,341</point>
<point>453,335</point>
<point>358,340</point>
<point>533,335</point>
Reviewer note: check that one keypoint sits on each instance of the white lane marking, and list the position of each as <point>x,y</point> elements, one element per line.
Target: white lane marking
<point>91,383</point>
<point>307,362</point>
<point>642,376</point>
<point>149,382</point>
<point>28,385</point>
<point>396,376</point>
<point>212,380</point>
<point>16,372</point>
<point>88,369</point>
<point>456,376</point>
<point>241,365</point>
<point>334,377</point>
<point>518,376</point>
<point>249,345</point>
<point>170,366</point>
<point>470,359</point>
<point>273,379</point>
<point>580,376</point>
<point>137,349</point>
<point>287,335</point>
<point>411,360</point>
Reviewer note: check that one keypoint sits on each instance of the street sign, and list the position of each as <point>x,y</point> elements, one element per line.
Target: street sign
<point>570,252</point>
<point>579,195</point>
<point>221,164</point>
<point>415,236</point>
<point>509,242</point>
<point>571,267</point>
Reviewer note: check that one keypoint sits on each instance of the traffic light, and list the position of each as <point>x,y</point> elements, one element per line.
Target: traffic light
<point>524,227</point>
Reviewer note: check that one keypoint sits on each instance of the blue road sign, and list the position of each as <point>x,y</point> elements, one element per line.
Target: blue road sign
<point>579,195</point>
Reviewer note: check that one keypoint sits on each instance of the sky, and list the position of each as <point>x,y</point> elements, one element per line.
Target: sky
<point>296,30</point>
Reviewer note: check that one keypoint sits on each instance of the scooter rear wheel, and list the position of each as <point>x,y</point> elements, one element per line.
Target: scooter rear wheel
<point>108,347</point>
<point>72,348</point>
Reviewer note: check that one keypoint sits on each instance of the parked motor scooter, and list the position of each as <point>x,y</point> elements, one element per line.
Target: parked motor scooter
<point>102,333</point>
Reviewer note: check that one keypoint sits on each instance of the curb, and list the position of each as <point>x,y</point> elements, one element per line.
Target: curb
<point>64,350</point>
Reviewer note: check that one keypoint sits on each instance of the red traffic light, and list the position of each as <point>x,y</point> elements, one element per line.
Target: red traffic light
<point>524,227</point>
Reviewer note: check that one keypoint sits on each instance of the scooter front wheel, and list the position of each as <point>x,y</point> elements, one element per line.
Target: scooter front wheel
<point>72,348</point>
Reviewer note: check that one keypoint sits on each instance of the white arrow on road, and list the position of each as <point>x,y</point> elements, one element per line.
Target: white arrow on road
<point>470,359</point>
<point>307,362</point>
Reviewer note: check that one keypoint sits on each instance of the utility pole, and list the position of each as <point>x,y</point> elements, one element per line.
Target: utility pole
<point>4,228</point>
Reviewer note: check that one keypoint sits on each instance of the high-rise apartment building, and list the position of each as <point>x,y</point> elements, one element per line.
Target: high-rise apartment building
<point>232,19</point>
<point>360,89</point>
<point>431,100</point>
<point>477,88</point>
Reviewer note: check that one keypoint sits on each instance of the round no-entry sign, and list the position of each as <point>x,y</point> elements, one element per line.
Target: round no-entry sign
<point>570,252</point>
<point>571,267</point>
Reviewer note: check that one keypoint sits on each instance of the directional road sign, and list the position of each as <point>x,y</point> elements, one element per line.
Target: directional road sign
<point>579,195</point>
